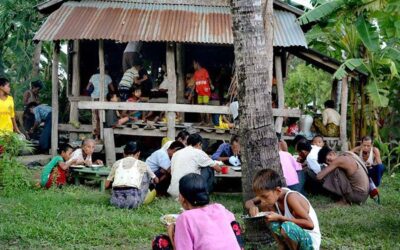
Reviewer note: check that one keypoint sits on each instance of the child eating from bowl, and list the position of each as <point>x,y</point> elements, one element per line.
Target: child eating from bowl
<point>293,221</point>
<point>201,225</point>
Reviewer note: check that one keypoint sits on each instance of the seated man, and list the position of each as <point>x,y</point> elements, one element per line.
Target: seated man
<point>160,163</point>
<point>345,176</point>
<point>226,150</point>
<point>83,155</point>
<point>371,158</point>
<point>329,126</point>
<point>308,155</point>
<point>42,113</point>
<point>192,159</point>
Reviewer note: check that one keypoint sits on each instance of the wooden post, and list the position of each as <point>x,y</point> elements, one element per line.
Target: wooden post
<point>101,85</point>
<point>171,74</point>
<point>76,87</point>
<point>109,145</point>
<point>343,115</point>
<point>181,76</point>
<point>36,59</point>
<point>54,99</point>
<point>281,92</point>
<point>353,112</point>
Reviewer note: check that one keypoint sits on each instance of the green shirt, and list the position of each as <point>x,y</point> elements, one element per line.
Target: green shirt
<point>48,168</point>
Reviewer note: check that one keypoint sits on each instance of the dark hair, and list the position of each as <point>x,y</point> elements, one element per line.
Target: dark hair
<point>323,153</point>
<point>329,104</point>
<point>32,105</point>
<point>182,135</point>
<point>303,145</point>
<point>198,61</point>
<point>298,138</point>
<point>279,136</point>
<point>64,148</point>
<point>266,179</point>
<point>135,87</point>
<point>194,139</point>
<point>3,81</point>
<point>235,138</point>
<point>366,138</point>
<point>194,189</point>
<point>132,148</point>
<point>109,96</point>
<point>320,136</point>
<point>176,145</point>
<point>37,84</point>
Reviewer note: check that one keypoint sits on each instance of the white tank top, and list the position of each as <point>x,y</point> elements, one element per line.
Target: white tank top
<point>128,177</point>
<point>314,233</point>
<point>370,159</point>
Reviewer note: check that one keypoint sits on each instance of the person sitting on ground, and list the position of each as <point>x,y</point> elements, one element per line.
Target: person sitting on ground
<point>329,126</point>
<point>8,123</point>
<point>130,179</point>
<point>42,114</point>
<point>83,155</point>
<point>345,176</point>
<point>192,159</point>
<point>291,217</point>
<point>290,169</point>
<point>56,171</point>
<point>318,140</point>
<point>371,158</point>
<point>201,225</point>
<point>160,163</point>
<point>203,88</point>
<point>226,150</point>
<point>308,156</point>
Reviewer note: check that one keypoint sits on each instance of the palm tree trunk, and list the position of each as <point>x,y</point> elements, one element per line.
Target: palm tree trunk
<point>253,60</point>
<point>36,60</point>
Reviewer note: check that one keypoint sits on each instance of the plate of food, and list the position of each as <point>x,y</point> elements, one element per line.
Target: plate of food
<point>96,166</point>
<point>258,216</point>
<point>237,168</point>
<point>77,166</point>
<point>169,219</point>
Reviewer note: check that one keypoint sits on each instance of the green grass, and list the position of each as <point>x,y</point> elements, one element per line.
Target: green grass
<point>81,217</point>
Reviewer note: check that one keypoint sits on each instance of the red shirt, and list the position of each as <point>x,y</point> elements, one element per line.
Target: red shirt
<point>202,80</point>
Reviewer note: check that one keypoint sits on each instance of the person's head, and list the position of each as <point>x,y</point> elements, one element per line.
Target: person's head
<point>182,137</point>
<point>175,146</point>
<point>193,191</point>
<point>65,151</point>
<point>31,106</point>
<point>111,97</point>
<point>318,140</point>
<point>326,155</point>
<point>5,86</point>
<point>235,145</point>
<point>88,146</point>
<point>267,185</point>
<point>329,104</point>
<point>366,144</point>
<point>298,138</point>
<point>195,140</point>
<point>196,64</point>
<point>303,148</point>
<point>36,86</point>
<point>136,91</point>
<point>133,149</point>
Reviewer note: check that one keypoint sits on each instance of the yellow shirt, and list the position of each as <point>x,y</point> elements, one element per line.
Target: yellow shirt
<point>6,114</point>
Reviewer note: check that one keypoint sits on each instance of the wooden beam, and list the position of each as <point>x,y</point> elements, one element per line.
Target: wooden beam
<point>101,85</point>
<point>54,99</point>
<point>140,132</point>
<point>281,92</point>
<point>76,86</point>
<point>82,128</point>
<point>109,146</point>
<point>79,98</point>
<point>343,115</point>
<point>171,74</point>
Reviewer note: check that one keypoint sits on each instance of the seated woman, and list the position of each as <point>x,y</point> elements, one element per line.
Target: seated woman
<point>55,172</point>
<point>329,126</point>
<point>83,155</point>
<point>130,179</point>
<point>201,225</point>
<point>292,219</point>
<point>371,158</point>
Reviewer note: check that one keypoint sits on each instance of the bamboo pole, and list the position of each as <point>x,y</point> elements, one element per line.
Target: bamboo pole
<point>343,115</point>
<point>54,99</point>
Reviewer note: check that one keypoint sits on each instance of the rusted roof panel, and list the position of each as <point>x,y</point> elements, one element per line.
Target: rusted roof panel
<point>127,21</point>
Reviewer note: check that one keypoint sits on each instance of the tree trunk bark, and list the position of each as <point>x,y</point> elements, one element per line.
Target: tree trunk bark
<point>36,60</point>
<point>343,115</point>
<point>253,60</point>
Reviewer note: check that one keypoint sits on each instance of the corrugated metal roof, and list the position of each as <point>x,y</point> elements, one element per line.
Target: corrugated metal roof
<point>155,22</point>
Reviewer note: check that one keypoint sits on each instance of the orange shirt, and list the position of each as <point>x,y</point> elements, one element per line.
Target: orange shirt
<point>202,80</point>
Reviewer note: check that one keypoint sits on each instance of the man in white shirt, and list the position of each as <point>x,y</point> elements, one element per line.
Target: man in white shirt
<point>309,154</point>
<point>191,159</point>
<point>330,120</point>
<point>160,163</point>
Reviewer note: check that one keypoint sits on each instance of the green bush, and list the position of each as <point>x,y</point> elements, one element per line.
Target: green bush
<point>14,176</point>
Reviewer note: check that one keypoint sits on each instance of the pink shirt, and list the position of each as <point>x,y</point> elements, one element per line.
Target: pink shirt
<point>289,168</point>
<point>206,228</point>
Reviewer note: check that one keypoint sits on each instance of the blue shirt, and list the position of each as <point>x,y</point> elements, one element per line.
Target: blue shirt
<point>159,159</point>
<point>41,112</point>
<point>224,150</point>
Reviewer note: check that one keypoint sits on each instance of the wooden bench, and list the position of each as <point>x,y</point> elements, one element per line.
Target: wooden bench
<point>95,174</point>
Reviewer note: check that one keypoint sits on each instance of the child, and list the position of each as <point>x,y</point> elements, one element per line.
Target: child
<point>83,156</point>
<point>133,115</point>
<point>56,170</point>
<point>203,89</point>
<point>189,89</point>
<point>292,219</point>
<point>201,226</point>
<point>318,140</point>
<point>7,113</point>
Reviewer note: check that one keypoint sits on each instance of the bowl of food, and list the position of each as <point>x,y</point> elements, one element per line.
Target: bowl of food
<point>96,166</point>
<point>169,219</point>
